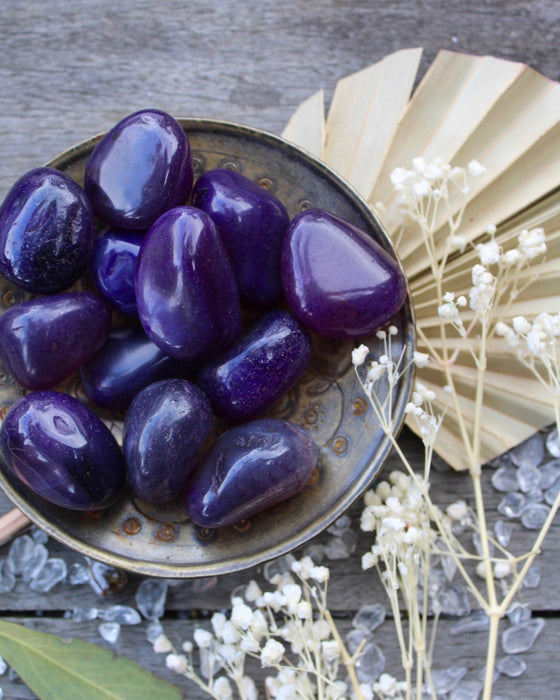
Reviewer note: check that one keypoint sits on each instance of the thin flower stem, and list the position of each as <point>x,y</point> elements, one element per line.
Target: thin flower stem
<point>346,658</point>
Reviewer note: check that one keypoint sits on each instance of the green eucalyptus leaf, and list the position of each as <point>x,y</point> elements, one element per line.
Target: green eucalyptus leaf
<point>55,669</point>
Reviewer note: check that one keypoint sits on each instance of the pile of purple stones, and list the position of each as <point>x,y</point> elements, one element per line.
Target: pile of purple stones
<point>207,297</point>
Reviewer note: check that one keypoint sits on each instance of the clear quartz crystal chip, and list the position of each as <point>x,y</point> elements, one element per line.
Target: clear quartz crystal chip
<point>150,598</point>
<point>340,525</point>
<point>505,479</point>
<point>355,638</point>
<point>54,571</point>
<point>445,679</point>
<point>38,535</point>
<point>512,504</point>
<point>110,631</point>
<point>521,637</point>
<point>550,473</point>
<point>370,664</point>
<point>369,617</point>
<point>467,690</point>
<point>528,477</point>
<point>278,567</point>
<point>20,552</point>
<point>122,614</point>
<point>503,532</point>
<point>553,443</point>
<point>533,577</point>
<point>531,452</point>
<point>7,579</point>
<point>3,666</point>
<point>35,563</point>
<point>534,515</point>
<point>78,574</point>
<point>316,552</point>
<point>341,546</point>
<point>477,621</point>
<point>153,631</point>
<point>83,613</point>
<point>511,666</point>
<point>518,613</point>
<point>452,599</point>
<point>551,494</point>
<point>105,580</point>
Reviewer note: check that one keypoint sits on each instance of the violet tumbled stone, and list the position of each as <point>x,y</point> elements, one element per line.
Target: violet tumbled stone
<point>164,429</point>
<point>186,294</point>
<point>62,451</point>
<point>45,340</point>
<point>256,370</point>
<point>250,467</point>
<point>338,281</point>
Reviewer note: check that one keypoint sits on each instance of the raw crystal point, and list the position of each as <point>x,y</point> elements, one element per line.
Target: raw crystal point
<point>511,504</point>
<point>469,690</point>
<point>447,678</point>
<point>505,479</point>
<point>503,532</point>
<point>452,599</point>
<point>83,613</point>
<point>78,574</point>
<point>369,617</point>
<point>528,477</point>
<point>150,598</point>
<point>122,614</point>
<point>7,579</point>
<point>51,573</point>
<point>533,577</point>
<point>370,664</point>
<point>553,443</point>
<point>531,452</point>
<point>477,621</point>
<point>520,638</point>
<point>549,473</point>
<point>511,666</point>
<point>518,613</point>
<point>341,546</point>
<point>35,563</point>
<point>110,631</point>
<point>20,553</point>
<point>340,525</point>
<point>534,515</point>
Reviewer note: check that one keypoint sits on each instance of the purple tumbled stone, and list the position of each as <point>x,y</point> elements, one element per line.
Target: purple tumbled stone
<point>338,281</point>
<point>62,451</point>
<point>187,298</point>
<point>44,340</point>
<point>260,367</point>
<point>250,467</point>
<point>164,429</point>
<point>251,222</point>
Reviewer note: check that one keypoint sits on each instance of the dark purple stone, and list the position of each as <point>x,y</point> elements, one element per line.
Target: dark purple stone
<point>164,429</point>
<point>185,290</point>
<point>338,281</point>
<point>139,169</point>
<point>113,268</point>
<point>125,364</point>
<point>62,451</point>
<point>251,467</point>
<point>45,340</point>
<point>260,367</point>
<point>46,232</point>
<point>251,222</point>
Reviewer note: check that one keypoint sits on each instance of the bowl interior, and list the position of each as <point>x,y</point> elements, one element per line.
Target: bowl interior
<point>328,400</point>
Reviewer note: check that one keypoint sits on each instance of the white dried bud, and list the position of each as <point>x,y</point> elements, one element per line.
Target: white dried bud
<point>241,615</point>
<point>475,168</point>
<point>502,569</point>
<point>252,592</point>
<point>330,650</point>
<point>272,653</point>
<point>489,253</point>
<point>162,645</point>
<point>421,189</point>
<point>320,574</point>
<point>222,689</point>
<point>203,639</point>
<point>521,325</point>
<point>359,355</point>
<point>369,559</point>
<point>457,510</point>
<point>177,663</point>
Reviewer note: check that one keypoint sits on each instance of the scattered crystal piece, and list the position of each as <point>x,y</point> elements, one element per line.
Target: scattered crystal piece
<point>7,579</point>
<point>150,598</point>
<point>518,613</point>
<point>355,638</point>
<point>534,515</point>
<point>449,566</point>
<point>478,545</point>
<point>511,504</point>
<point>154,630</point>
<point>551,494</point>
<point>106,580</point>
<point>78,574</point>
<point>340,525</point>
<point>54,571</point>
<point>532,577</point>
<point>278,567</point>
<point>511,666</point>
<point>83,613</point>
<point>341,546</point>
<point>520,638</point>
<point>110,631</point>
<point>369,617</point>
<point>316,552</point>
<point>122,614</point>
<point>3,666</point>
<point>469,690</point>
<point>452,599</point>
<point>505,479</point>
<point>370,663</point>
<point>38,535</point>
<point>534,496</point>
<point>531,452</point>
<point>21,550</point>
<point>477,621</point>
<point>445,679</point>
<point>550,473</point>
<point>34,565</point>
<point>553,443</point>
<point>528,477</point>
<point>503,532</point>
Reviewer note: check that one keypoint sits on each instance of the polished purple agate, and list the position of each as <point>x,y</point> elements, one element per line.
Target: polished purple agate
<point>62,451</point>
<point>247,379</point>
<point>338,281</point>
<point>251,222</point>
<point>126,363</point>
<point>46,232</point>
<point>187,298</point>
<point>113,268</point>
<point>164,430</point>
<point>139,169</point>
<point>250,468</point>
<point>45,340</point>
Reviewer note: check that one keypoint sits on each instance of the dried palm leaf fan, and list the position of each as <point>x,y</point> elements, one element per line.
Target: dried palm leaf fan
<point>507,117</point>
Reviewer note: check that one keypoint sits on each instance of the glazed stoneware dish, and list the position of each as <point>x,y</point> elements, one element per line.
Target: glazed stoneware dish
<point>159,539</point>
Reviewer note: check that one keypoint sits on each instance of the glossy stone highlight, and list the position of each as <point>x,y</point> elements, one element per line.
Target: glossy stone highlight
<point>251,222</point>
<point>260,367</point>
<point>165,427</point>
<point>250,468</point>
<point>185,289</point>
<point>62,451</point>
<point>45,340</point>
<point>46,232</point>
<point>338,281</point>
<point>139,169</point>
